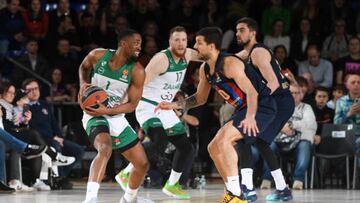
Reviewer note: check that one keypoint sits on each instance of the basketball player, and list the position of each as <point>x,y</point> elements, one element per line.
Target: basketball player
<point>164,76</point>
<point>119,75</point>
<point>261,58</point>
<point>241,87</point>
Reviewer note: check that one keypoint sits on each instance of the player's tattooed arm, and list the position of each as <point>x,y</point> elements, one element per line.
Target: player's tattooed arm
<point>188,103</point>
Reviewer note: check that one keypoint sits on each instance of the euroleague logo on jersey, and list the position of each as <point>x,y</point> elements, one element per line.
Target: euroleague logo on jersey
<point>124,75</point>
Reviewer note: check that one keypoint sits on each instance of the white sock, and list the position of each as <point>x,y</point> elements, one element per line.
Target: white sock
<point>233,185</point>
<point>92,190</point>
<point>279,179</point>
<point>130,194</point>
<point>128,168</point>
<point>174,177</point>
<point>247,178</point>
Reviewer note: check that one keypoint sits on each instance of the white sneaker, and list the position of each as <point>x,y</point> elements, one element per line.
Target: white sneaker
<point>40,185</point>
<point>265,184</point>
<point>20,186</point>
<point>62,160</point>
<point>297,185</point>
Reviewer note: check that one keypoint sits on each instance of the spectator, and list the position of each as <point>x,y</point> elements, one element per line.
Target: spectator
<point>16,120</point>
<point>92,8</point>
<point>342,9</point>
<point>59,92</point>
<point>321,70</point>
<point>121,23</point>
<point>44,121</point>
<point>323,113</point>
<point>347,109</point>
<point>33,61</point>
<point>337,92</point>
<point>301,39</point>
<point>150,49</point>
<point>109,17</point>
<point>36,21</point>
<point>302,122</point>
<point>89,34</point>
<point>141,13</point>
<point>285,62</point>
<point>67,62</point>
<point>63,9</point>
<point>277,36</point>
<point>350,63</point>
<point>274,13</point>
<point>12,27</point>
<point>29,151</point>
<point>213,15</point>
<point>336,44</point>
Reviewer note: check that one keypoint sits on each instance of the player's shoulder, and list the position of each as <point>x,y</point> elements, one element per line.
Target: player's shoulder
<point>97,53</point>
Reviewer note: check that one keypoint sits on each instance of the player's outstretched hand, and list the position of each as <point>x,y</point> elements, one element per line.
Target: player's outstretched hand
<point>249,126</point>
<point>165,106</point>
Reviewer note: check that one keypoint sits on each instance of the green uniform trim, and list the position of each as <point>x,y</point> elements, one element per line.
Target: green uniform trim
<point>124,74</point>
<point>149,101</point>
<point>126,137</point>
<point>151,123</point>
<point>177,129</point>
<point>173,66</point>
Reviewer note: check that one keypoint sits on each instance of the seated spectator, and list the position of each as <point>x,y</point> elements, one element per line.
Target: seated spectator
<point>59,92</point>
<point>285,62</point>
<point>110,35</point>
<point>347,109</point>
<point>335,45</point>
<point>213,15</point>
<point>275,12</point>
<point>150,49</point>
<point>32,60</point>
<point>36,21</point>
<point>12,27</point>
<point>29,151</point>
<point>92,8</point>
<point>307,89</point>
<point>63,9</point>
<point>66,61</point>
<point>350,63</point>
<point>277,36</point>
<point>337,92</point>
<point>323,113</point>
<point>302,123</point>
<point>301,39</point>
<point>44,122</point>
<point>89,34</point>
<point>16,120</point>
<point>321,70</point>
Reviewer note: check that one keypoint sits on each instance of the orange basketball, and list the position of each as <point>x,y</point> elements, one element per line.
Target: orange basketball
<point>92,95</point>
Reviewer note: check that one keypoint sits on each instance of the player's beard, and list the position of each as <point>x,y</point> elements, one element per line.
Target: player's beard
<point>177,54</point>
<point>243,43</point>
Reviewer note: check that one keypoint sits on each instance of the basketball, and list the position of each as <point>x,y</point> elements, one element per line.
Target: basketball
<point>92,95</point>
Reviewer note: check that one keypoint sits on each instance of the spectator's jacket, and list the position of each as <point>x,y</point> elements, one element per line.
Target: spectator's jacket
<point>303,120</point>
<point>343,105</point>
<point>43,120</point>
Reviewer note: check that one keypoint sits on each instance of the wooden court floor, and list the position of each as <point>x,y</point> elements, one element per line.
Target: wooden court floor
<point>111,193</point>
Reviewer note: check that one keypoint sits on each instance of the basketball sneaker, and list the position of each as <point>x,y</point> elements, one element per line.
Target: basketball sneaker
<point>175,191</point>
<point>249,195</point>
<point>123,179</point>
<point>283,195</point>
<point>230,198</point>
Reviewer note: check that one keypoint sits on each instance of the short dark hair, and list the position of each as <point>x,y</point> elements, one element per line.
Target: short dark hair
<point>322,89</point>
<point>177,29</point>
<point>280,46</point>
<point>212,35</point>
<point>339,87</point>
<point>28,81</point>
<point>126,33</point>
<point>251,23</point>
<point>301,81</point>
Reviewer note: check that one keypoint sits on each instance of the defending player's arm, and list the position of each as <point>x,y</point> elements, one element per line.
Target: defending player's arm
<point>235,69</point>
<point>134,92</point>
<point>197,99</point>
<point>157,65</point>
<point>261,58</point>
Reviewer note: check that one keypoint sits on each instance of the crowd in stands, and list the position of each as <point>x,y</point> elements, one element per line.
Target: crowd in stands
<point>316,41</point>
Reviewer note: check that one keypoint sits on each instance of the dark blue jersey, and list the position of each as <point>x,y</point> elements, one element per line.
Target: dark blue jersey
<point>228,88</point>
<point>284,84</point>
